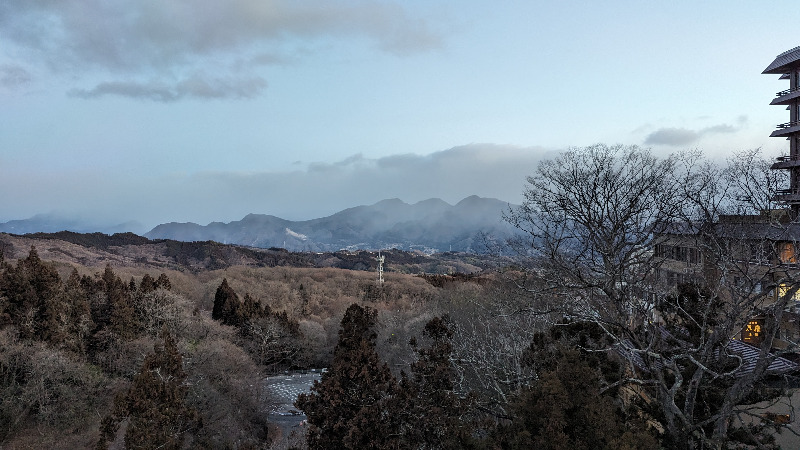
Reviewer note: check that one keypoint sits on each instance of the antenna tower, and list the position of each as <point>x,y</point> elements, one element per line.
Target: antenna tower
<point>380,259</point>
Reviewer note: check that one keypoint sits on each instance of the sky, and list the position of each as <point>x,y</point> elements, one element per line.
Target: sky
<point>207,110</point>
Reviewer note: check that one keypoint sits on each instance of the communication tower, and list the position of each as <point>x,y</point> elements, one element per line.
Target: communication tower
<point>380,259</point>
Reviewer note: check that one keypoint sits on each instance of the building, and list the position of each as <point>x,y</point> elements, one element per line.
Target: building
<point>787,65</point>
<point>753,254</point>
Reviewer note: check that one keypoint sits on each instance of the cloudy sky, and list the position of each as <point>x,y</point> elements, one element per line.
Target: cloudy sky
<point>207,110</point>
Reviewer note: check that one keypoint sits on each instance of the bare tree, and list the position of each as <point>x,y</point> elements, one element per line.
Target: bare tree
<point>492,329</point>
<point>604,225</point>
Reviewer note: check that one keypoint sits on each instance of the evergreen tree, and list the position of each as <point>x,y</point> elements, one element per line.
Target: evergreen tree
<point>163,282</point>
<point>347,409</point>
<point>148,284</point>
<point>79,315</point>
<point>132,286</point>
<point>30,289</point>
<point>565,409</point>
<point>251,309</point>
<point>433,415</point>
<point>226,304</point>
<point>122,319</point>
<point>154,404</point>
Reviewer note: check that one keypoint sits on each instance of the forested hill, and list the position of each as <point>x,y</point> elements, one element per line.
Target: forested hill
<point>131,250</point>
<point>430,226</point>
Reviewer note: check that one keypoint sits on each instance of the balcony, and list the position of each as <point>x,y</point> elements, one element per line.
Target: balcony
<point>786,129</point>
<point>786,97</point>
<point>787,195</point>
<point>786,162</point>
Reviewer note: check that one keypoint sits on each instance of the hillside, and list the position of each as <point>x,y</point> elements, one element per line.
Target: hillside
<point>130,250</point>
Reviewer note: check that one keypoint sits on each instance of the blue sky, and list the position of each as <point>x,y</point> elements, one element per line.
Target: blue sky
<point>204,110</point>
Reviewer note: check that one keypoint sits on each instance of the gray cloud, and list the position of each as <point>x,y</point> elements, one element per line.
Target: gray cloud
<point>194,87</point>
<point>683,136</point>
<point>672,136</point>
<point>315,190</point>
<point>142,37</point>
<point>13,75</point>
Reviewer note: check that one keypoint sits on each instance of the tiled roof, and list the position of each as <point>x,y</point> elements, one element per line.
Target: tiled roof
<point>738,230</point>
<point>760,231</point>
<point>750,354</point>
<point>747,352</point>
<point>783,61</point>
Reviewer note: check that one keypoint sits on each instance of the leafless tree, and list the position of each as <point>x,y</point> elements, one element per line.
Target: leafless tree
<point>492,328</point>
<point>597,220</point>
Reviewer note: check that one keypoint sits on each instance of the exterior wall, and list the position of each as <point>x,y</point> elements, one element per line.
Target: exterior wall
<point>751,267</point>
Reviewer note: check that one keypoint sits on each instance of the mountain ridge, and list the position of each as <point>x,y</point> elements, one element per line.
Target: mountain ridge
<point>430,226</point>
<point>52,223</point>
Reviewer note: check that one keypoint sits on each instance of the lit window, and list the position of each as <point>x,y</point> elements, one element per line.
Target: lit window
<point>783,290</point>
<point>786,252</point>
<point>752,331</point>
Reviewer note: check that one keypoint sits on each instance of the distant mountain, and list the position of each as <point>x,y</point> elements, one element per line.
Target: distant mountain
<point>52,223</point>
<point>429,226</point>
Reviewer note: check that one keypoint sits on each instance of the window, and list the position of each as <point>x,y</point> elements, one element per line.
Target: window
<point>786,253</point>
<point>752,332</point>
<point>694,256</point>
<point>784,289</point>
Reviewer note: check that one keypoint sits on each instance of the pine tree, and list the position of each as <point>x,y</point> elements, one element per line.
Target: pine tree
<point>122,319</point>
<point>30,289</point>
<point>434,416</point>
<point>226,304</point>
<point>147,285</point>
<point>163,282</point>
<point>250,310</point>
<point>154,404</point>
<point>79,315</point>
<point>346,408</point>
<point>565,409</point>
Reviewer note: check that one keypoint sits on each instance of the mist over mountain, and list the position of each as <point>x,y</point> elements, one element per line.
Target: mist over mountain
<point>53,223</point>
<point>430,226</point>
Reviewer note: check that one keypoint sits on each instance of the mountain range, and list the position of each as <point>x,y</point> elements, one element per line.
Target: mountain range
<point>53,223</point>
<point>428,226</point>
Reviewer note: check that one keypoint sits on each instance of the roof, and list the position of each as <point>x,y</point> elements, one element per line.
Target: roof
<point>750,356</point>
<point>759,231</point>
<point>748,353</point>
<point>742,229</point>
<point>784,61</point>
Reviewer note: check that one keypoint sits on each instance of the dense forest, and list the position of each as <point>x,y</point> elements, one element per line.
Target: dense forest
<point>101,357</point>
